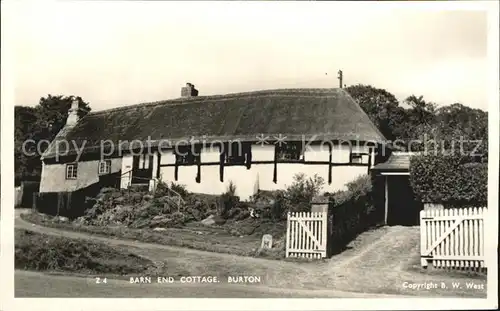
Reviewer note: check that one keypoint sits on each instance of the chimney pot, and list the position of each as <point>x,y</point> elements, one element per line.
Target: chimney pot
<point>189,90</point>
<point>73,113</point>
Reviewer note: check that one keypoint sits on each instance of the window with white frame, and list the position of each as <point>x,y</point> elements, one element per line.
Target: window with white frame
<point>71,171</point>
<point>104,167</point>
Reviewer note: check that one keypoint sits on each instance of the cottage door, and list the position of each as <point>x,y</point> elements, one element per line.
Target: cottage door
<point>404,209</point>
<point>142,169</point>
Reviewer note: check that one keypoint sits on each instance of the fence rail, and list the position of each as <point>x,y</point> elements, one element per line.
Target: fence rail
<point>306,235</point>
<point>453,238</point>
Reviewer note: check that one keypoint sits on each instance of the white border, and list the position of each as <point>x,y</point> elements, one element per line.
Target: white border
<point>7,302</point>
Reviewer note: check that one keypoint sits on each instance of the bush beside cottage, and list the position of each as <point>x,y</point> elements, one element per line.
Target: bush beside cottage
<point>352,211</point>
<point>451,180</point>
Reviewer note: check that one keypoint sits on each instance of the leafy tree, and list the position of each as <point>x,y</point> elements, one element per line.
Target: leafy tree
<point>455,127</point>
<point>302,190</point>
<point>381,107</point>
<point>423,121</point>
<point>38,123</point>
<point>52,114</point>
<point>457,121</point>
<point>418,123</point>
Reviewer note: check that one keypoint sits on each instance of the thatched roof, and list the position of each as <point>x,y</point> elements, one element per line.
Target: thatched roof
<point>295,113</point>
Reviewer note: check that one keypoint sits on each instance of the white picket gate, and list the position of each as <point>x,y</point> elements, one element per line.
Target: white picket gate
<point>453,238</point>
<point>306,235</point>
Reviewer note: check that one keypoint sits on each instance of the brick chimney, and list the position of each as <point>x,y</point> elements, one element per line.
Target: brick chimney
<point>73,113</point>
<point>189,91</point>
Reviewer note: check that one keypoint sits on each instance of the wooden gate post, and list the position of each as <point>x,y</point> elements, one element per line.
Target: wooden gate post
<point>321,204</point>
<point>33,204</point>
<point>423,238</point>
<point>288,237</point>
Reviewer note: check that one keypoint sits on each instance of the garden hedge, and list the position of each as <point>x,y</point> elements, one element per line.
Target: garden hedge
<point>451,180</point>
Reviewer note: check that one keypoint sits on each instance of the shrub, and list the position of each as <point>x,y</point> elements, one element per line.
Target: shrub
<point>278,207</point>
<point>201,206</point>
<point>358,191</point>
<point>352,212</point>
<point>180,189</point>
<point>228,201</point>
<point>298,196</point>
<point>270,204</point>
<point>231,189</point>
<point>451,180</point>
<point>161,189</point>
<point>233,213</point>
<point>244,214</point>
<point>178,217</point>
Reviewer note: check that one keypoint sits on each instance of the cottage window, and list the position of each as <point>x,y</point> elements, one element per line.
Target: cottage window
<point>356,158</point>
<point>290,151</point>
<point>104,167</point>
<point>237,153</point>
<point>185,155</point>
<point>71,171</point>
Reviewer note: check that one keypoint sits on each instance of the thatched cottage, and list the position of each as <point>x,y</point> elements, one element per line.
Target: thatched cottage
<point>257,140</point>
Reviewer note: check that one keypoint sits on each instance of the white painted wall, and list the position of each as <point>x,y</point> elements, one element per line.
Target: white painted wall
<point>246,179</point>
<point>53,177</point>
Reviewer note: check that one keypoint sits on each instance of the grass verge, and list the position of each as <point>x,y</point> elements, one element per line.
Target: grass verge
<point>194,237</point>
<point>40,252</point>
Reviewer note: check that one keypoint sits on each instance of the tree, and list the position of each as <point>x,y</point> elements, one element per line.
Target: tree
<point>459,122</point>
<point>25,119</point>
<point>41,122</point>
<point>418,123</point>
<point>455,127</point>
<point>410,128</point>
<point>421,112</point>
<point>381,107</point>
<point>53,112</point>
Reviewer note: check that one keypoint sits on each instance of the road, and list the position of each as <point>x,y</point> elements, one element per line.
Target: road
<point>34,284</point>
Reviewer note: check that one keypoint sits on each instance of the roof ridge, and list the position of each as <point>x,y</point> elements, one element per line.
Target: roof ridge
<point>195,99</point>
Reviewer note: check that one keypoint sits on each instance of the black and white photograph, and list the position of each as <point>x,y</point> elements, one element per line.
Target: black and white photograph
<point>249,150</point>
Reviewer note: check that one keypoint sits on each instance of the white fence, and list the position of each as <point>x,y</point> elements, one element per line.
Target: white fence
<point>306,235</point>
<point>453,238</point>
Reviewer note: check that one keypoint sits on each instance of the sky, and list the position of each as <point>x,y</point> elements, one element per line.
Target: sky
<point>121,53</point>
